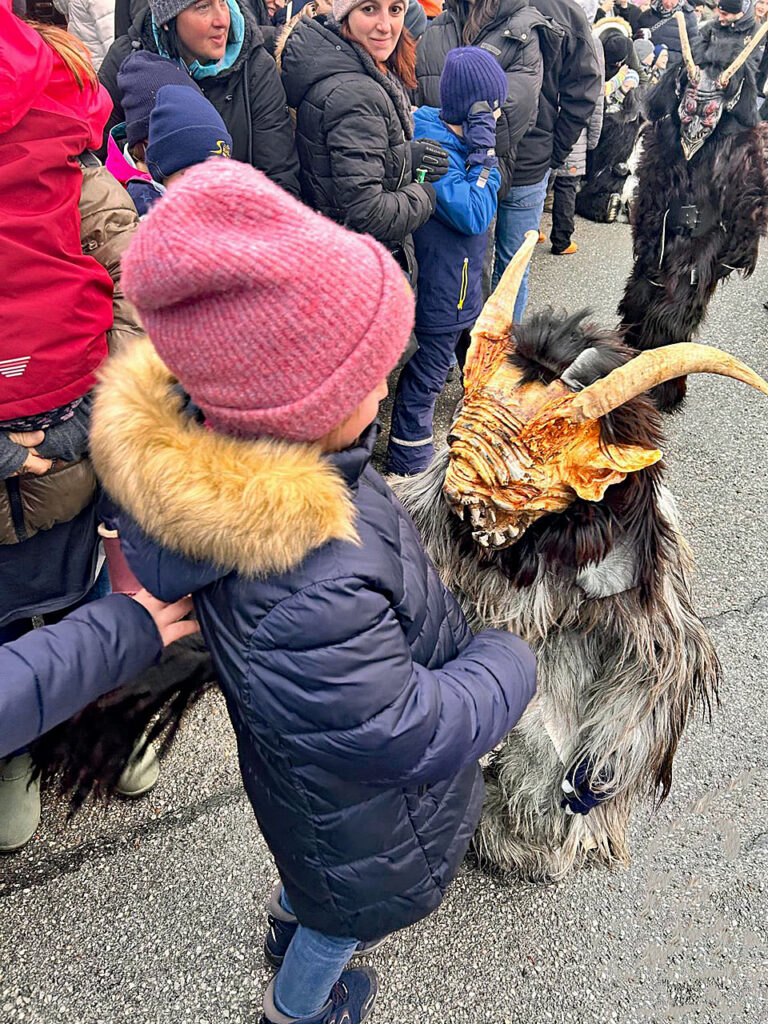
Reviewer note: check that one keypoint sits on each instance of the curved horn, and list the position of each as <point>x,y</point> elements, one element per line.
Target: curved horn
<point>498,313</point>
<point>743,57</point>
<point>685,46</point>
<point>653,367</point>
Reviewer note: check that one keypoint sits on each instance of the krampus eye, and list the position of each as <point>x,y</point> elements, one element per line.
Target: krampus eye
<point>711,108</point>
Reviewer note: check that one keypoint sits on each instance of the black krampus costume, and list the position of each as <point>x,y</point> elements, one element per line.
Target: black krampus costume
<point>702,198</point>
<point>599,198</point>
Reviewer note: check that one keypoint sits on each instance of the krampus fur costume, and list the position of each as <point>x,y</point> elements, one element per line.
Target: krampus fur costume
<point>702,198</point>
<point>600,196</point>
<point>547,515</point>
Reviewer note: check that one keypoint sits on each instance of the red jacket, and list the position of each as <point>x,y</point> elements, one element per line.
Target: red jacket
<point>55,303</point>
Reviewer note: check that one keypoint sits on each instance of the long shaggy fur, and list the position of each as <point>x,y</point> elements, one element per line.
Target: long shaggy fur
<point>85,756</point>
<point>605,175</point>
<point>675,275</point>
<point>601,594</point>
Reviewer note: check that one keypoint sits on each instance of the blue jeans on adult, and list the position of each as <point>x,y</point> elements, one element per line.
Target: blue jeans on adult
<point>519,211</point>
<point>312,966</point>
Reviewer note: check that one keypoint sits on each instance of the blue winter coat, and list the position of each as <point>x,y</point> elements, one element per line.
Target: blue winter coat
<point>50,673</point>
<point>360,700</point>
<point>450,247</point>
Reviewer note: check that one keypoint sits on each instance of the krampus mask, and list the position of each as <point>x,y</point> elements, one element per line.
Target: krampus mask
<point>707,91</point>
<point>522,447</point>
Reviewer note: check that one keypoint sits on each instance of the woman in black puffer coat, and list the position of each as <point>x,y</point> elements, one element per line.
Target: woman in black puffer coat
<point>354,128</point>
<point>244,86</point>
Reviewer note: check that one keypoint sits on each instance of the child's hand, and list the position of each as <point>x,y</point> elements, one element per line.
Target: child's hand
<point>169,618</point>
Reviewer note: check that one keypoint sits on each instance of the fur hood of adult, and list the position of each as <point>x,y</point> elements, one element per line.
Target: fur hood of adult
<point>256,506</point>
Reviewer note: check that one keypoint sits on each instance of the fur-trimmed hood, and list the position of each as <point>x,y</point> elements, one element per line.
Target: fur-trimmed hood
<point>255,506</point>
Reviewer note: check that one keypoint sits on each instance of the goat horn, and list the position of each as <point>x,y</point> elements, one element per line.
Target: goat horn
<point>653,367</point>
<point>685,46</point>
<point>743,57</point>
<point>498,313</point>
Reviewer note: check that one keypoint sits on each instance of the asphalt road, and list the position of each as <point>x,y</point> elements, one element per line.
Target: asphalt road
<point>151,913</point>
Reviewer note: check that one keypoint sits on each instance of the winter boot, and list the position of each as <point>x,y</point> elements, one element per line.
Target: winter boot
<point>141,772</point>
<point>19,803</point>
<point>282,928</point>
<point>350,1002</point>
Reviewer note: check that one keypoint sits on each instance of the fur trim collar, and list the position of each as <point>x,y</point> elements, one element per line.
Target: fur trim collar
<point>255,506</point>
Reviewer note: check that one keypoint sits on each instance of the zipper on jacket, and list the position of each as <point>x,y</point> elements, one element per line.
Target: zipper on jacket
<point>464,284</point>
<point>402,175</point>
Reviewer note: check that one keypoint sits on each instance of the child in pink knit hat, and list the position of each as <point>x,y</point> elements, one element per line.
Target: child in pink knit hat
<point>237,442</point>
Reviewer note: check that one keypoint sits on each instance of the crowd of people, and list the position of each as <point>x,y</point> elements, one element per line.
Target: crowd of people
<point>289,200</point>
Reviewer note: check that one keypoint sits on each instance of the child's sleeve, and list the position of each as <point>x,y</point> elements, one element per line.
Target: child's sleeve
<point>335,674</point>
<point>466,199</point>
<point>53,672</point>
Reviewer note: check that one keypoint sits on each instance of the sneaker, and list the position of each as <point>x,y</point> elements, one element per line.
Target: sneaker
<point>350,1002</point>
<point>140,773</point>
<point>19,803</point>
<point>612,207</point>
<point>282,927</point>
<point>572,248</point>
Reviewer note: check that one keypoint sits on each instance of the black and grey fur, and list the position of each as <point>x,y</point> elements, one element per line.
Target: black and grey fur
<point>601,593</point>
<point>676,270</point>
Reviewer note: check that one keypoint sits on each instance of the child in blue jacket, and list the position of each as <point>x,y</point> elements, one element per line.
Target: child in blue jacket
<point>360,700</point>
<point>451,246</point>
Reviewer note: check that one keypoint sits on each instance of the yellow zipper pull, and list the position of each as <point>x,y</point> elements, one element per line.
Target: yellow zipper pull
<point>464,282</point>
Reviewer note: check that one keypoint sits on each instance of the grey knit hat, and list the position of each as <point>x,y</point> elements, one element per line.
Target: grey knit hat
<point>164,10</point>
<point>341,8</point>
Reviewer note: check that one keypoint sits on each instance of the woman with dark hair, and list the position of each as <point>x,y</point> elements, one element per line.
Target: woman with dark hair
<point>222,48</point>
<point>347,77</point>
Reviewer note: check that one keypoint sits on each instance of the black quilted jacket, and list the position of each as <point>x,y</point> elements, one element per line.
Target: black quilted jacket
<point>353,126</point>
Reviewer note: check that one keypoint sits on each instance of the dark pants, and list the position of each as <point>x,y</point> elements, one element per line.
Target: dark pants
<point>563,210</point>
<point>411,444</point>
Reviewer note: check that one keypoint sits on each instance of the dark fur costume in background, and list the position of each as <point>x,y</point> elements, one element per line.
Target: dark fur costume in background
<point>86,755</point>
<point>676,270</point>
<point>601,593</point>
<point>607,169</point>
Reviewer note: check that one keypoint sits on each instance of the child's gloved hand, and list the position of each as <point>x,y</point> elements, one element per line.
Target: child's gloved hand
<point>430,157</point>
<point>68,440</point>
<point>579,798</point>
<point>19,455</point>
<point>480,135</point>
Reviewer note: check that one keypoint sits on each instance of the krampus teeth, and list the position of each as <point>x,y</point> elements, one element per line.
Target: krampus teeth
<point>498,538</point>
<point>482,538</point>
<point>476,517</point>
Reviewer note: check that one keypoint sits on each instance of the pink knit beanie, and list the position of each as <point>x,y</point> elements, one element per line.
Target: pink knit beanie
<point>277,321</point>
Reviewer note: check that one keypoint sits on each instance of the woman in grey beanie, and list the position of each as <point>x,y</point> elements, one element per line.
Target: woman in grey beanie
<point>222,48</point>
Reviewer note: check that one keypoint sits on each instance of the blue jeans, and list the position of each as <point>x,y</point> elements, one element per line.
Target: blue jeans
<point>312,966</point>
<point>411,445</point>
<point>519,211</point>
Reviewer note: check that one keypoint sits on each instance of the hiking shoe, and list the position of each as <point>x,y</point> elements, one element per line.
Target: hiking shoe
<point>19,802</point>
<point>282,927</point>
<point>350,1002</point>
<point>141,772</point>
<point>572,248</point>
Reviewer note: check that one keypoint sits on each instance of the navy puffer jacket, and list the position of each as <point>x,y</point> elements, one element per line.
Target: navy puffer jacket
<point>360,700</point>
